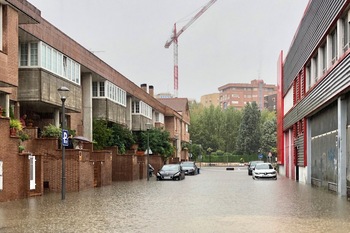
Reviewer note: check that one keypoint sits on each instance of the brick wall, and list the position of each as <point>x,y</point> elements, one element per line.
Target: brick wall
<point>125,168</point>
<point>9,54</point>
<point>103,161</point>
<point>14,172</point>
<point>157,162</point>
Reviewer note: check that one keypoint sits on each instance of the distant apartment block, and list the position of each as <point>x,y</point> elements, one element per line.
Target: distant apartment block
<point>237,95</point>
<point>270,102</point>
<point>164,95</point>
<point>210,99</point>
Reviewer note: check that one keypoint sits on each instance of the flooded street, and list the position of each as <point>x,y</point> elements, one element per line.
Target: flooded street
<point>214,201</point>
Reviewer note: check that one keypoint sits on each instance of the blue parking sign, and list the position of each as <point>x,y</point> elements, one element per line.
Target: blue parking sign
<point>260,156</point>
<point>64,137</point>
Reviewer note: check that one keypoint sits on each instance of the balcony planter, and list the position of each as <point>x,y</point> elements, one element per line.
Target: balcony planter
<point>15,125</point>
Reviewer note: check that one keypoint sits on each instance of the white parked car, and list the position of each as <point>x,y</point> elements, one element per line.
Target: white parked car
<point>264,170</point>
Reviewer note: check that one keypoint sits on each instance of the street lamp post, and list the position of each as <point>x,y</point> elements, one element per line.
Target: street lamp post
<point>148,126</point>
<point>63,92</point>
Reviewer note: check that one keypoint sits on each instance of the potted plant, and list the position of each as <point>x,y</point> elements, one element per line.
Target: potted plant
<point>21,148</point>
<point>30,122</point>
<point>23,136</point>
<point>15,125</point>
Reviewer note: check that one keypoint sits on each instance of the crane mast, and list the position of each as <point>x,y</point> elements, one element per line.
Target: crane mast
<point>174,40</point>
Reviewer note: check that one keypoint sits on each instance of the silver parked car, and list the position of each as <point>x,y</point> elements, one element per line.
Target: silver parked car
<point>264,170</point>
<point>171,172</point>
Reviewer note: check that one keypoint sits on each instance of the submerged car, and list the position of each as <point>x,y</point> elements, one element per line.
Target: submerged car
<point>171,172</point>
<point>189,167</point>
<point>264,170</point>
<point>251,166</point>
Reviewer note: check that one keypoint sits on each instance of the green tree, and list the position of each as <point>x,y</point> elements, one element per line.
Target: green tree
<point>196,150</point>
<point>159,142</point>
<point>248,141</point>
<point>121,137</point>
<point>211,128</point>
<point>232,121</point>
<point>101,133</point>
<point>269,136</point>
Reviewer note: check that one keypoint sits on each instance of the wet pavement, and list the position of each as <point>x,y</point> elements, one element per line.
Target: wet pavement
<point>214,201</point>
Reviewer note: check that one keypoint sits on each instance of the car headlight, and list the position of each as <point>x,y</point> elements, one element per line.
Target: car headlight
<point>177,174</point>
<point>158,174</point>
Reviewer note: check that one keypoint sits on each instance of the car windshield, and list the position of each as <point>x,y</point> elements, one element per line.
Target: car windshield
<point>263,166</point>
<point>253,163</point>
<point>170,167</point>
<point>187,164</point>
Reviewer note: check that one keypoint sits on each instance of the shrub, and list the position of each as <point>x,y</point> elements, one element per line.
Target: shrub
<point>51,131</point>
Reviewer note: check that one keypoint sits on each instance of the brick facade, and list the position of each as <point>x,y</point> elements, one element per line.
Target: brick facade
<point>14,172</point>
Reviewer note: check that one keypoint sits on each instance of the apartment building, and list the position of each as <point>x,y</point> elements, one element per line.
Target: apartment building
<point>314,99</point>
<point>36,59</point>
<point>211,99</point>
<point>237,95</point>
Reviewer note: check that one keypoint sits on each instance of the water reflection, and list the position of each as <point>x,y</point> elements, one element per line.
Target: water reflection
<point>214,201</point>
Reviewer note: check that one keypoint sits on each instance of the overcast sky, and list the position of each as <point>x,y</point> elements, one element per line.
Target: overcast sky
<point>234,41</point>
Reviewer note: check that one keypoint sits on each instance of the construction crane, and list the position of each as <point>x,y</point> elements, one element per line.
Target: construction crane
<point>174,39</point>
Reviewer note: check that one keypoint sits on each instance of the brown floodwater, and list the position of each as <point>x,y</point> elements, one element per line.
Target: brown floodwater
<point>216,200</point>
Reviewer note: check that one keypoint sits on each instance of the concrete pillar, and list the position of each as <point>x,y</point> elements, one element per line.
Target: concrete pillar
<point>7,104</point>
<point>57,117</point>
<point>87,104</point>
<point>341,144</point>
<point>128,119</point>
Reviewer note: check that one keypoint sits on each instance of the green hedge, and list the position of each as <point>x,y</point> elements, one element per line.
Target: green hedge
<point>228,158</point>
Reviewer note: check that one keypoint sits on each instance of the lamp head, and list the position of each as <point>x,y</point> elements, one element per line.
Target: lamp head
<point>63,92</point>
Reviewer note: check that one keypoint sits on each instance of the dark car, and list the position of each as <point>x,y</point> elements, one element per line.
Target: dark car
<point>189,167</point>
<point>171,172</point>
<point>251,166</point>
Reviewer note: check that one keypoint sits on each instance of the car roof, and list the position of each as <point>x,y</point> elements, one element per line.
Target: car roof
<point>261,164</point>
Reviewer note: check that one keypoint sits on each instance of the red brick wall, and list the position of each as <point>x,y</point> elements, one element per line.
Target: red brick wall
<point>125,168</point>
<point>14,172</point>
<point>157,162</point>
<point>104,161</point>
<point>9,54</point>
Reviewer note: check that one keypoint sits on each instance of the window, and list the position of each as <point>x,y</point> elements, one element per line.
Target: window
<point>24,55</point>
<point>323,61</point>
<point>308,77</point>
<point>54,62</point>
<point>345,22</point>
<point>334,44</point>
<point>316,67</point>
<point>102,89</point>
<point>33,54</point>
<point>94,89</point>
<point>64,66</point>
<point>136,107</point>
<point>139,107</point>
<point>43,55</point>
<point>49,58</point>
